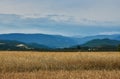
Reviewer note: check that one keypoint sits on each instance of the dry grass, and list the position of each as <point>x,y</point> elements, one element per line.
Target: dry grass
<point>91,74</point>
<point>60,65</point>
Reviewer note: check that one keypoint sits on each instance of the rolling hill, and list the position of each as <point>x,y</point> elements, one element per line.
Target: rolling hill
<point>101,42</point>
<point>89,38</point>
<point>17,45</point>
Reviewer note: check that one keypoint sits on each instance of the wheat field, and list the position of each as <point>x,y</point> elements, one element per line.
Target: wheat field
<point>59,65</point>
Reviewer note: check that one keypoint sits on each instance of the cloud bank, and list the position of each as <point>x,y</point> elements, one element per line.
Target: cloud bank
<point>66,17</point>
<point>10,23</point>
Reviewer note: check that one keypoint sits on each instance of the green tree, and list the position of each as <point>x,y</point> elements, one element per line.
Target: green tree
<point>119,47</point>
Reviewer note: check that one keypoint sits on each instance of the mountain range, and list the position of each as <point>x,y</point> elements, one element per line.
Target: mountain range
<point>58,41</point>
<point>52,41</point>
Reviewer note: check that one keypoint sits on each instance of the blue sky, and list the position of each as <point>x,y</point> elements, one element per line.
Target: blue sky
<point>65,17</point>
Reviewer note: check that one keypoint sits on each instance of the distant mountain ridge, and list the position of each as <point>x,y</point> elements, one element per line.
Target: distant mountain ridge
<point>53,41</point>
<point>89,38</point>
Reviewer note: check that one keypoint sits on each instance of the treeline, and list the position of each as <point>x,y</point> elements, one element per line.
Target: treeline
<point>90,49</point>
<point>71,49</point>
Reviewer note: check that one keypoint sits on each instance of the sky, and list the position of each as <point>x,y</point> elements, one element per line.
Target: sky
<point>63,17</point>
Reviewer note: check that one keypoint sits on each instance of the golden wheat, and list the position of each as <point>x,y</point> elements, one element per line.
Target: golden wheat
<point>59,65</point>
<point>83,74</point>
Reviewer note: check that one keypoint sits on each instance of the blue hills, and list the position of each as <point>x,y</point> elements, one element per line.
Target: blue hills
<point>58,41</point>
<point>52,41</point>
<point>89,38</point>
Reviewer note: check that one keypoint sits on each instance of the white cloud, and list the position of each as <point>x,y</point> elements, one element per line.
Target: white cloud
<point>99,10</point>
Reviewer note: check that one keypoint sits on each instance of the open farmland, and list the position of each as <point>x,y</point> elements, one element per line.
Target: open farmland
<point>59,65</point>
